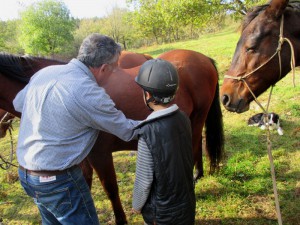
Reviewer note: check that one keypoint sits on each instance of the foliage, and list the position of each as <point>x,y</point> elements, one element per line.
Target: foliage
<point>239,8</point>
<point>168,20</point>
<point>46,28</point>
<point>86,27</point>
<point>8,38</point>
<point>115,23</point>
<point>173,20</point>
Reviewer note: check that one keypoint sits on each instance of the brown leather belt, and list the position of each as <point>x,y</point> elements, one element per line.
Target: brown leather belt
<point>46,172</point>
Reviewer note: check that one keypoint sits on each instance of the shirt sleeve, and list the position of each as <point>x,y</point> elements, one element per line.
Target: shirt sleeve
<point>96,109</point>
<point>143,176</point>
<point>19,100</point>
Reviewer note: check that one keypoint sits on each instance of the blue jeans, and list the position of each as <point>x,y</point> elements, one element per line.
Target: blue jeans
<point>61,199</point>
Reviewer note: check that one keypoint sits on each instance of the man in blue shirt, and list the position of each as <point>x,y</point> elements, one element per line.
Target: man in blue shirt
<point>63,108</point>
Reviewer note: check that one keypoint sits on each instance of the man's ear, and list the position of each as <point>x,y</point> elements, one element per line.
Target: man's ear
<point>103,67</point>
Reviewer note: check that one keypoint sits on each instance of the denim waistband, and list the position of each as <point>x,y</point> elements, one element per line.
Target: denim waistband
<point>47,172</point>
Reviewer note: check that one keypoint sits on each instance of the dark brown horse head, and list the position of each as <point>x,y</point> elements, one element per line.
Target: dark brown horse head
<point>263,54</point>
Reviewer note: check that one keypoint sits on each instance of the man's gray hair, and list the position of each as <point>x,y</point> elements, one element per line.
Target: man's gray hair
<point>97,49</point>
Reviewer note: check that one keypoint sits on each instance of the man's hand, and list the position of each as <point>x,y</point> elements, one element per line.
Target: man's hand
<point>135,211</point>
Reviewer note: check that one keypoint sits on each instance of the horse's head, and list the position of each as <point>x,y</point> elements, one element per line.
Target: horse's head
<point>262,55</point>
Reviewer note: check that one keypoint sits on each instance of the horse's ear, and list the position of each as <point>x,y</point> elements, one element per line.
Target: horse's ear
<point>276,8</point>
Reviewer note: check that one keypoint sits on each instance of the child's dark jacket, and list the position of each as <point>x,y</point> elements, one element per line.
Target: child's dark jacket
<point>172,197</point>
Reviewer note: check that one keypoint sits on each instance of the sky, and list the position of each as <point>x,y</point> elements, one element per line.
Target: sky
<point>9,9</point>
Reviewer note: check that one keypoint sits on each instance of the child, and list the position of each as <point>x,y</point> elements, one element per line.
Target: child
<point>163,189</point>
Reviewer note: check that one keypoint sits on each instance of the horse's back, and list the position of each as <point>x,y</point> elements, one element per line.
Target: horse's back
<point>194,63</point>
<point>197,72</point>
<point>129,59</point>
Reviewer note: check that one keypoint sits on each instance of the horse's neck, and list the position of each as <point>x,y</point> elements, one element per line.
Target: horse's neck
<point>293,25</point>
<point>9,89</point>
<point>39,64</point>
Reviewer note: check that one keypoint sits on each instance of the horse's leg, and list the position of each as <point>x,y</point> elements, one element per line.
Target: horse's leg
<point>197,122</point>
<point>197,152</point>
<point>87,171</point>
<point>102,162</point>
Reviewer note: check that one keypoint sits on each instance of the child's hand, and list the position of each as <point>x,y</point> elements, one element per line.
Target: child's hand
<point>135,211</point>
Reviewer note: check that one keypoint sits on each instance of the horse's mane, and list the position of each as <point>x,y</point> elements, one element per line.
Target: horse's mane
<point>252,13</point>
<point>22,68</point>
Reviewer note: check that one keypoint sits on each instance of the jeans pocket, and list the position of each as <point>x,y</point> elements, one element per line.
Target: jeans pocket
<point>57,202</point>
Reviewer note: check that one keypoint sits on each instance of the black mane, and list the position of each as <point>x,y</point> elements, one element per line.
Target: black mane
<point>22,68</point>
<point>11,65</point>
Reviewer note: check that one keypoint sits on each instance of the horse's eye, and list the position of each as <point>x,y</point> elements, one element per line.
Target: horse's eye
<point>250,50</point>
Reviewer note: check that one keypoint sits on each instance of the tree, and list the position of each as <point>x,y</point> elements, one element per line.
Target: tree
<point>2,36</point>
<point>47,28</point>
<point>239,8</point>
<point>8,38</point>
<point>173,20</point>
<point>87,27</point>
<point>149,19</point>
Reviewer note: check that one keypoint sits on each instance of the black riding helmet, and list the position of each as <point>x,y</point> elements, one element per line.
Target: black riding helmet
<point>160,78</point>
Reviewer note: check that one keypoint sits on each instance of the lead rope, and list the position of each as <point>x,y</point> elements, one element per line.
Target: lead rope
<point>269,144</point>
<point>281,41</point>
<point>269,147</point>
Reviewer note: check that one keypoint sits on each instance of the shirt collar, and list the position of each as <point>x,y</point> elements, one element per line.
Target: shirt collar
<point>83,67</point>
<point>162,112</point>
<point>157,114</point>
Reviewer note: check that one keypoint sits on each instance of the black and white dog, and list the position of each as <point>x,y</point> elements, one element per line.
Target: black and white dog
<point>273,122</point>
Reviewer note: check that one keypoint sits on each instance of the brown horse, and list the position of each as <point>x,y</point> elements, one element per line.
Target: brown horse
<point>129,60</point>
<point>198,96</point>
<point>6,119</point>
<point>269,47</point>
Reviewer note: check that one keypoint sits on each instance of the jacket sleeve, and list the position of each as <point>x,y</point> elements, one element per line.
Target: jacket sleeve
<point>143,176</point>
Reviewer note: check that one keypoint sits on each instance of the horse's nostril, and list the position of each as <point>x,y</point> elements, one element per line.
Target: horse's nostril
<point>225,100</point>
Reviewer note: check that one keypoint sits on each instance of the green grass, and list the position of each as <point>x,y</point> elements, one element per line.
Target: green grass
<point>241,193</point>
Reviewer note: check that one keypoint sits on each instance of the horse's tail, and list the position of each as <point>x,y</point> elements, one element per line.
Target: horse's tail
<point>214,131</point>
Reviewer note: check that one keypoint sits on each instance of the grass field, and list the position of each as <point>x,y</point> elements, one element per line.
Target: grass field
<point>241,193</point>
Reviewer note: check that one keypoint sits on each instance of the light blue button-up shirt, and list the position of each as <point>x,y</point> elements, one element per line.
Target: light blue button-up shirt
<point>63,109</point>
